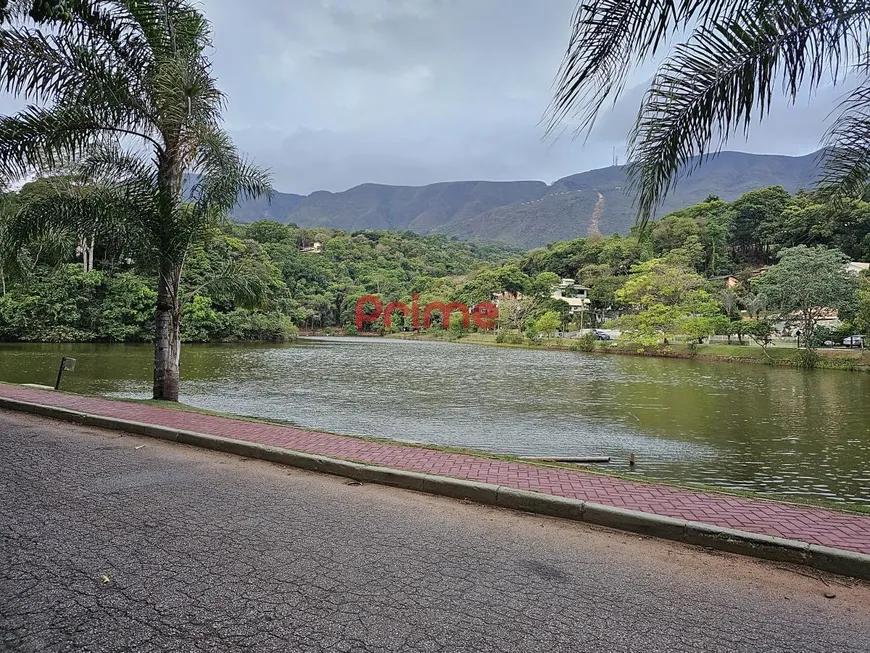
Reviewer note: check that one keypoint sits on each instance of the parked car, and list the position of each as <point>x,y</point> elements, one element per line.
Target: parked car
<point>854,341</point>
<point>601,335</point>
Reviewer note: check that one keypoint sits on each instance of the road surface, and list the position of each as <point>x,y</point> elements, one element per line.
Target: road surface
<point>110,542</point>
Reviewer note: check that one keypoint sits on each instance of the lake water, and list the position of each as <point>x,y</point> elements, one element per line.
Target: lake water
<point>753,427</point>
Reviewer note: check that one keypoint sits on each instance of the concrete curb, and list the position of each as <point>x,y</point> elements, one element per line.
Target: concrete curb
<point>838,561</point>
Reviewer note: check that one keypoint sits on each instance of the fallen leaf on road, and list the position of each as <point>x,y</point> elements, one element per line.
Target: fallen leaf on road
<point>106,579</point>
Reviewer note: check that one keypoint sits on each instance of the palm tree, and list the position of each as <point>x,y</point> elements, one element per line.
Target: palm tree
<point>755,304</point>
<point>128,86</point>
<point>730,301</point>
<point>721,78</point>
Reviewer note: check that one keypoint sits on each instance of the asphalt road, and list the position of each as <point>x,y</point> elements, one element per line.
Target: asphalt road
<point>119,543</point>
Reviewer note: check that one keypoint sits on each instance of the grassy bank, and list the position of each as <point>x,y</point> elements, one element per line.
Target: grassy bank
<point>784,356</point>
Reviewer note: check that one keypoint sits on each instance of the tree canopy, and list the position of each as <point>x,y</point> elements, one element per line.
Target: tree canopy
<point>126,91</point>
<point>806,283</point>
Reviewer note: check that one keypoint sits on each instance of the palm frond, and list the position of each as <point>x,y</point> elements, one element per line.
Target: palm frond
<point>610,38</point>
<point>45,138</point>
<point>239,281</point>
<point>716,81</point>
<point>224,177</point>
<point>846,158</point>
<point>65,206</point>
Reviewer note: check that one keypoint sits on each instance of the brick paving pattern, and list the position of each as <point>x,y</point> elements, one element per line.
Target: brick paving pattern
<point>813,525</point>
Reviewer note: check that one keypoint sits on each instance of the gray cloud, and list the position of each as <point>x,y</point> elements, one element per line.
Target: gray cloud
<point>334,93</point>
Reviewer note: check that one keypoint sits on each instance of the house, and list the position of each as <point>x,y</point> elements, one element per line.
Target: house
<point>316,248</point>
<point>856,267</point>
<point>575,295</point>
<point>729,280</point>
<point>826,317</point>
<point>852,267</point>
<point>505,296</point>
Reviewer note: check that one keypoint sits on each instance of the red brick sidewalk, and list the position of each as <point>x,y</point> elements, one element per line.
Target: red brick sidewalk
<point>813,525</point>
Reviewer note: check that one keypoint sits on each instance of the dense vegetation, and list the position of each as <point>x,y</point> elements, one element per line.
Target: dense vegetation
<point>240,282</point>
<point>121,105</point>
<point>255,282</point>
<point>672,280</point>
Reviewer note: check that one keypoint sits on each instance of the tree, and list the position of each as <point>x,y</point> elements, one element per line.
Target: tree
<point>512,279</point>
<point>861,319</point>
<point>741,328</point>
<point>723,326</point>
<point>761,332</point>
<point>730,301</point>
<point>721,78</point>
<point>755,220</point>
<point>672,231</point>
<point>698,328</point>
<point>516,313</point>
<point>268,231</point>
<point>662,282</point>
<point>543,284</point>
<point>39,10</point>
<point>663,295</point>
<point>754,303</point>
<point>548,323</point>
<point>129,86</point>
<point>805,284</point>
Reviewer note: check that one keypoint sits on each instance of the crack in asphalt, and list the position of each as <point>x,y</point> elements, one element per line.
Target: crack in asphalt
<point>203,553</point>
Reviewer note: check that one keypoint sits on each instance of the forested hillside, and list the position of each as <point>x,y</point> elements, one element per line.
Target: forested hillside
<point>265,280</point>
<point>242,282</point>
<point>526,213</point>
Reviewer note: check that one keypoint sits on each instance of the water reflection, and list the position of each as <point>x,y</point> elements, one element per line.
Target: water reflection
<point>738,426</point>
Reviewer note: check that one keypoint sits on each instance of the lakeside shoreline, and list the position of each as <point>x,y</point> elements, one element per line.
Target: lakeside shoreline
<point>605,471</point>
<point>845,360</point>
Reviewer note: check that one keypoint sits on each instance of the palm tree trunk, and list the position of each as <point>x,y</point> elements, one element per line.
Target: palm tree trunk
<point>167,340</point>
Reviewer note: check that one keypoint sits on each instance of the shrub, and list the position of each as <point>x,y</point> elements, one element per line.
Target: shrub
<point>821,334</point>
<point>510,338</point>
<point>807,358</point>
<point>586,342</point>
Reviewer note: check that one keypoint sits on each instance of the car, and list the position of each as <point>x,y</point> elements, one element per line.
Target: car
<point>601,335</point>
<point>854,341</point>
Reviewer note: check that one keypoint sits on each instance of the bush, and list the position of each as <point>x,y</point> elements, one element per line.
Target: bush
<point>510,338</point>
<point>821,334</point>
<point>257,325</point>
<point>807,358</point>
<point>66,304</point>
<point>586,342</point>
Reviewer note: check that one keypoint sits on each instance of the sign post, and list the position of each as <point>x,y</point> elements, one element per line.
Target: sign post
<point>66,365</point>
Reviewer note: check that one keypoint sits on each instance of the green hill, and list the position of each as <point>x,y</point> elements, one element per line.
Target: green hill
<point>526,213</point>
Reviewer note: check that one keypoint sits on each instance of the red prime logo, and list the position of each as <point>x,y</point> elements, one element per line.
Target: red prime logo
<point>485,314</point>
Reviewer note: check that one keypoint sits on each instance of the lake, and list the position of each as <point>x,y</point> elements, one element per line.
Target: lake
<point>773,430</point>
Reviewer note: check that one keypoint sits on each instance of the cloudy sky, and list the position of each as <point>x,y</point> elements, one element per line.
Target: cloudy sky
<point>332,93</point>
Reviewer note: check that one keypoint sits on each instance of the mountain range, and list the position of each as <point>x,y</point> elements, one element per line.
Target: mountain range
<point>526,213</point>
